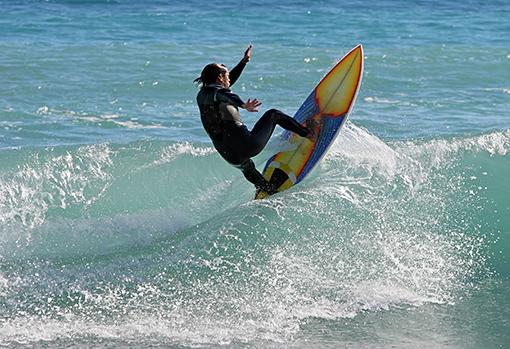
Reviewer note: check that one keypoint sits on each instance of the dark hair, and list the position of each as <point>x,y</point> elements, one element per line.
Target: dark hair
<point>210,73</point>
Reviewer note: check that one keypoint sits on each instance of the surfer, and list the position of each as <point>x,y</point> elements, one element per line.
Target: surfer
<point>219,112</point>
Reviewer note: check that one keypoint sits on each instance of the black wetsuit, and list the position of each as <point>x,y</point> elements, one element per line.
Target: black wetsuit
<point>219,111</point>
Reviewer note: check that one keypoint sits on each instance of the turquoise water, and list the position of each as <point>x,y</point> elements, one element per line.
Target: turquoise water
<point>120,226</point>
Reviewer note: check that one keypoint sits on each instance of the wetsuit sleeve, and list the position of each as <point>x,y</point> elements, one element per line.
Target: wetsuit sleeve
<point>226,96</point>
<point>235,73</point>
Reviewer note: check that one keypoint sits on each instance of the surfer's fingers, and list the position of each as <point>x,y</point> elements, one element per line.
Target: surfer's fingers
<point>254,102</point>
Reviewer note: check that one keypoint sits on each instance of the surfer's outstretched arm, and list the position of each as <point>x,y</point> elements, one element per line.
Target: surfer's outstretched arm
<point>235,73</point>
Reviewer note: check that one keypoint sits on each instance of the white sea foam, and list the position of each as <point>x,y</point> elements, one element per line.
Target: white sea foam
<point>54,181</point>
<point>4,284</point>
<point>366,156</point>
<point>380,100</point>
<point>108,118</point>
<point>134,124</point>
<point>440,151</point>
<point>172,152</point>
<point>360,148</point>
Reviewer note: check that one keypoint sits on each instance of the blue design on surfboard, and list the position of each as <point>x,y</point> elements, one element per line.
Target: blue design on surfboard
<point>325,109</point>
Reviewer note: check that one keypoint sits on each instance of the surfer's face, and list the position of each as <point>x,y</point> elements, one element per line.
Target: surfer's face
<point>224,78</point>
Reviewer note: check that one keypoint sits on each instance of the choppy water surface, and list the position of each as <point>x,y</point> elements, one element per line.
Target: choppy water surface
<point>121,226</point>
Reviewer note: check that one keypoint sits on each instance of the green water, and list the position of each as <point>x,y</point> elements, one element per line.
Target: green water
<point>120,225</point>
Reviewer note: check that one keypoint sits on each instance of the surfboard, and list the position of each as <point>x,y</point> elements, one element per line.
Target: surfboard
<point>326,108</point>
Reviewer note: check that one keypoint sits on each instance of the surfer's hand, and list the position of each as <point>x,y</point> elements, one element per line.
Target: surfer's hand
<point>252,105</point>
<point>247,54</point>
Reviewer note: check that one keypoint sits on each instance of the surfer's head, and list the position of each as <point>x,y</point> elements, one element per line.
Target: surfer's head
<point>214,73</point>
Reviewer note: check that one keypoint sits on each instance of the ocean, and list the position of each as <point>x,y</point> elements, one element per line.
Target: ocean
<point>122,227</point>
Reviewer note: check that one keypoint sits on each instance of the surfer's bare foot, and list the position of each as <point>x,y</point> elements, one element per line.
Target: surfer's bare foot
<point>313,129</point>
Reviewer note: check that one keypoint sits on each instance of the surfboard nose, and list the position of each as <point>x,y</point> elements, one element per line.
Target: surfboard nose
<point>337,89</point>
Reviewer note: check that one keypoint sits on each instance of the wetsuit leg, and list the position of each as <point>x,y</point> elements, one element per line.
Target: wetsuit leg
<point>264,128</point>
<point>254,176</point>
<point>239,144</point>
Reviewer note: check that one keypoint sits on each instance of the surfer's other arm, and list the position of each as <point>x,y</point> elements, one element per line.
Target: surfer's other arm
<point>252,105</point>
